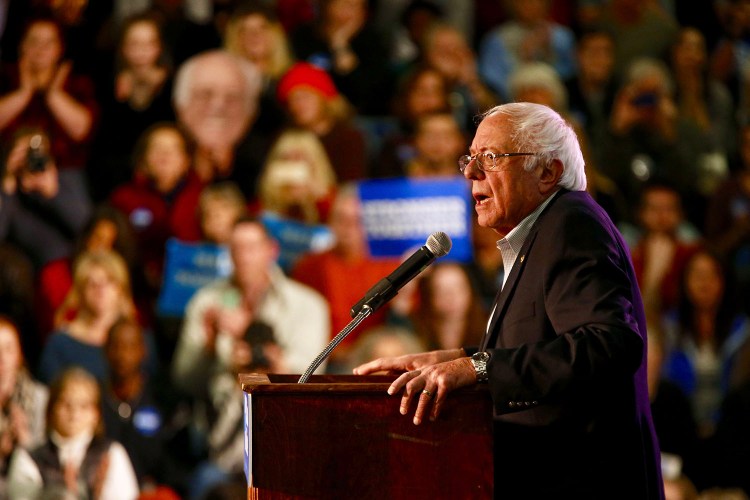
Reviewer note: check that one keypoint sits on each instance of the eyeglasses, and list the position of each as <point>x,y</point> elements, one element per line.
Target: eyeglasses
<point>487,160</point>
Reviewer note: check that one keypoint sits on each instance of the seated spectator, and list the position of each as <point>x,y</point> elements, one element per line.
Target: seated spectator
<point>254,33</point>
<point>138,95</point>
<point>108,229</point>
<point>297,181</point>
<point>343,42</point>
<point>42,92</point>
<point>445,49</point>
<point>330,272</point>
<point>728,58</point>
<point>649,138</point>
<point>160,200</point>
<point>642,29</point>
<point>100,295</point>
<point>41,210</point>
<point>662,249</point>
<point>22,400</point>
<point>731,444</point>
<point>17,296</point>
<point>728,218</point>
<point>75,460</point>
<point>438,141</point>
<point>382,341</point>
<point>527,37</point>
<point>591,90</point>
<point>672,414</point>
<point>219,207</point>
<point>700,98</point>
<point>215,97</point>
<point>449,312</point>
<point>314,103</point>
<point>138,409</point>
<point>538,82</point>
<point>220,313</point>
<point>423,91</point>
<point>705,336</point>
<point>258,352</point>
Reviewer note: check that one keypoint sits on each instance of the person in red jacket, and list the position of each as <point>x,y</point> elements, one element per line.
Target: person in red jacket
<point>161,199</point>
<point>344,273</point>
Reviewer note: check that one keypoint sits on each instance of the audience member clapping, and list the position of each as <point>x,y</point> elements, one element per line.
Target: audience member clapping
<point>22,400</point>
<point>76,460</point>
<point>216,99</point>
<point>42,91</point>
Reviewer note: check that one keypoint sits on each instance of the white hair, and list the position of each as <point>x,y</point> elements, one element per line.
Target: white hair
<point>539,129</point>
<point>539,75</point>
<point>645,68</point>
<point>183,79</point>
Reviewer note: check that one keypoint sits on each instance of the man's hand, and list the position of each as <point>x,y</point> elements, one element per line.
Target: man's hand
<point>430,386</point>
<point>408,362</point>
<point>429,376</point>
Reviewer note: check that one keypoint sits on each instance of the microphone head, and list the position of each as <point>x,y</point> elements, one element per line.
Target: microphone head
<point>439,243</point>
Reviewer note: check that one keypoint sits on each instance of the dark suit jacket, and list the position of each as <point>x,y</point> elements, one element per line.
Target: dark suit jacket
<point>568,365</point>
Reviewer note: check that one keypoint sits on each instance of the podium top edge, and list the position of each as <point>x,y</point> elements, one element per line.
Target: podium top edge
<point>265,382</point>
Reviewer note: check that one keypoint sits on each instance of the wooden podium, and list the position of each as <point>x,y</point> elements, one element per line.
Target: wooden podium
<point>342,436</point>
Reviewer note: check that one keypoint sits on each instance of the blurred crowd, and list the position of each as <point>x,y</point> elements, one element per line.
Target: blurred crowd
<point>126,124</point>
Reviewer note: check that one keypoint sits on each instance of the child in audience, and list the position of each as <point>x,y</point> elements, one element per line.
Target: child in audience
<point>75,460</point>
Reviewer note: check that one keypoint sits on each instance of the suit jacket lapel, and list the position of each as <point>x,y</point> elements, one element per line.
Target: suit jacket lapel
<point>502,298</point>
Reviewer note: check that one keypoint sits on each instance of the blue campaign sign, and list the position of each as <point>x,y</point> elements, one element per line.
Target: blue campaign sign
<point>400,214</point>
<point>296,238</point>
<point>188,267</point>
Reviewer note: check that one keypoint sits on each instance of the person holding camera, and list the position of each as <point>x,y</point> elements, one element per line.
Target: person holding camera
<point>39,212</point>
<point>42,91</point>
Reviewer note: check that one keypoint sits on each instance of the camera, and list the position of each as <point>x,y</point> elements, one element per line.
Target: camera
<point>259,334</point>
<point>36,156</point>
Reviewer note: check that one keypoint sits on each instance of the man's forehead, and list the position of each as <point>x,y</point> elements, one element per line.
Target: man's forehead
<point>492,132</point>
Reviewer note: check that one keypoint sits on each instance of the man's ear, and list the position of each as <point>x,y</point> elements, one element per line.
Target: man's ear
<point>549,176</point>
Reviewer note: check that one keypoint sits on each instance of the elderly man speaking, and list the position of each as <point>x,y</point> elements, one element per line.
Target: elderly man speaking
<point>564,353</point>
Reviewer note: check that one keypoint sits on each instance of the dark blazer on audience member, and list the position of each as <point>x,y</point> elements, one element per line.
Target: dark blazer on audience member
<point>568,370</point>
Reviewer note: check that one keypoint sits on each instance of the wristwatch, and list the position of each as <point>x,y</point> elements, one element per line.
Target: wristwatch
<point>479,360</point>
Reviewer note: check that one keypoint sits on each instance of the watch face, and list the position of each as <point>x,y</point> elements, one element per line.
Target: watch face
<point>481,356</point>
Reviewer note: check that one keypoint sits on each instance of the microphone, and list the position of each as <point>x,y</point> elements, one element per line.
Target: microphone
<point>437,245</point>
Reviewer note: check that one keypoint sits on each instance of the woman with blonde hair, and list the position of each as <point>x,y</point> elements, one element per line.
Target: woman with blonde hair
<point>99,296</point>
<point>297,180</point>
<point>254,33</point>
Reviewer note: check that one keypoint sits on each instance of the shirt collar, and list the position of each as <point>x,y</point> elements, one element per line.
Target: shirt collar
<point>511,244</point>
